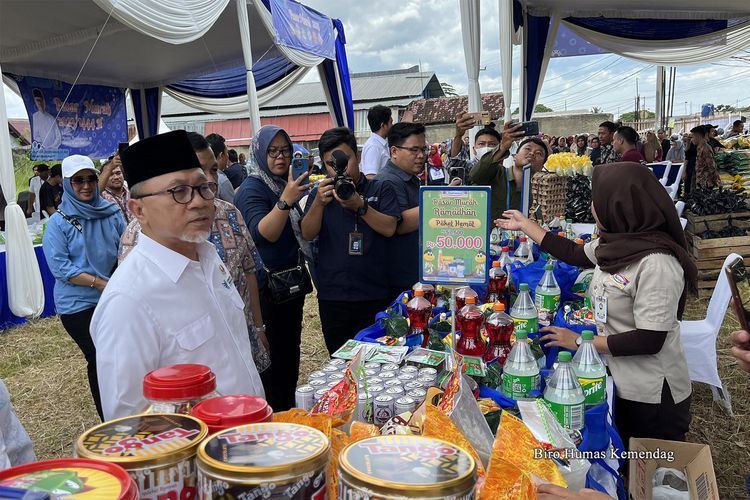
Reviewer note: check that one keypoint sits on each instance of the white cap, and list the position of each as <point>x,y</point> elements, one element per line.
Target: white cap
<point>76,163</point>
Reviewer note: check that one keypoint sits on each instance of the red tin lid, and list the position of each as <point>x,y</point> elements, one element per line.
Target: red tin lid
<point>179,383</point>
<point>224,412</point>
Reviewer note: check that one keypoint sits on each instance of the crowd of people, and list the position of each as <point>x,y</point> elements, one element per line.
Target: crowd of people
<point>176,251</point>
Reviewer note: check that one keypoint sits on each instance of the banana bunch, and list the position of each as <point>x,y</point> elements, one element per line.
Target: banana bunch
<point>569,164</point>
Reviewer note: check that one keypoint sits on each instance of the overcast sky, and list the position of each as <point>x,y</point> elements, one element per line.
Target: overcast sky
<point>402,33</point>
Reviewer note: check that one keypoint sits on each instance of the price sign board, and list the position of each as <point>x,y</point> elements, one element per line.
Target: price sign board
<point>454,234</point>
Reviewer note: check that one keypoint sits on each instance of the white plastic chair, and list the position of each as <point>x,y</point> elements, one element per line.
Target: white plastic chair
<point>684,222</point>
<point>674,188</point>
<point>699,340</point>
<point>680,207</point>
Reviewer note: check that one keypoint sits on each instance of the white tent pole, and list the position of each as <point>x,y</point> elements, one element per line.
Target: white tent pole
<point>247,55</point>
<point>25,290</point>
<point>659,111</point>
<point>506,54</point>
<point>471,34</point>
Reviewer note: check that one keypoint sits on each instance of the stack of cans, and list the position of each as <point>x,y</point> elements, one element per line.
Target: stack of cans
<point>318,383</point>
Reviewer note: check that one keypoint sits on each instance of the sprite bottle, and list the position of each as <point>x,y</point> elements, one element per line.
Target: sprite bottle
<point>547,296</point>
<point>520,372</point>
<point>564,395</point>
<point>591,373</point>
<point>523,312</point>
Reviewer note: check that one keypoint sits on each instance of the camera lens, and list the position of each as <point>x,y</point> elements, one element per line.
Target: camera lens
<point>344,189</point>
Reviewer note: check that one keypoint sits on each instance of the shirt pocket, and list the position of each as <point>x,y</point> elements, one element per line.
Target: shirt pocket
<point>195,334</point>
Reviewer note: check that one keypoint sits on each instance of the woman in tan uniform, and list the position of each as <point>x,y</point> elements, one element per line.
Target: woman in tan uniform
<point>641,269</point>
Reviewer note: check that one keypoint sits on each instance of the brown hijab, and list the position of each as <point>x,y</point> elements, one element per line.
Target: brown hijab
<point>637,218</point>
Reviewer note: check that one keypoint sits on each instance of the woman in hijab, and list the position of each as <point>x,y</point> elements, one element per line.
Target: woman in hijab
<point>651,148</point>
<point>581,147</point>
<point>268,200</point>
<point>641,274</point>
<point>80,245</point>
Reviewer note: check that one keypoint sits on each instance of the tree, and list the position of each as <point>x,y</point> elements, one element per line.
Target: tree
<point>539,108</point>
<point>596,110</point>
<point>725,108</point>
<point>448,89</point>
<point>630,116</point>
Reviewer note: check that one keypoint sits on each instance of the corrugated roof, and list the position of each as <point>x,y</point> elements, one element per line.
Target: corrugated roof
<point>445,109</point>
<point>19,128</point>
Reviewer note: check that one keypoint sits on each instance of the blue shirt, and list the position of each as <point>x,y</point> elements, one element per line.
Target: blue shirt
<point>352,278</point>
<point>255,200</point>
<point>67,257</point>
<point>403,249</point>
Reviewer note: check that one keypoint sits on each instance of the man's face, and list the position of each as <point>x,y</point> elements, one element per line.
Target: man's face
<point>531,154</point>
<point>44,174</point>
<point>485,141</point>
<point>209,164</point>
<point>352,167</point>
<point>618,143</point>
<point>172,222</point>
<point>696,139</point>
<point>223,159</point>
<point>39,101</point>
<point>410,156</point>
<point>661,134</point>
<point>605,136</point>
<point>116,180</point>
<point>388,126</point>
<point>686,138</point>
<point>737,129</point>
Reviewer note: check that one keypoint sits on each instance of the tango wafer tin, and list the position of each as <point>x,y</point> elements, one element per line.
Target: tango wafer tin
<point>158,451</point>
<point>405,467</point>
<point>270,460</point>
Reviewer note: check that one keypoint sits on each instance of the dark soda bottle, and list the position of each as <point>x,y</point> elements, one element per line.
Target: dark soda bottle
<point>496,286</point>
<point>498,328</point>
<point>470,318</point>
<point>462,294</point>
<point>429,291</point>
<point>418,310</point>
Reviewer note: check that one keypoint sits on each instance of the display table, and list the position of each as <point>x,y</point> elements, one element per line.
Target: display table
<point>7,318</point>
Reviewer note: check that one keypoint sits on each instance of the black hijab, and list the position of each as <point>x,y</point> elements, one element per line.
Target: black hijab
<point>637,218</point>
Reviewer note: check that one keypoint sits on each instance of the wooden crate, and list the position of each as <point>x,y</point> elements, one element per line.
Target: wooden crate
<point>549,192</point>
<point>697,223</point>
<point>709,256</point>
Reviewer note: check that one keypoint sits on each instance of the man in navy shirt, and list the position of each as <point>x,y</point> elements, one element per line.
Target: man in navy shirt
<point>409,151</point>
<point>352,243</point>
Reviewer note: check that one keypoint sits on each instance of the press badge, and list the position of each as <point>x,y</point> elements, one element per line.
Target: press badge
<point>356,243</point>
<point>600,308</point>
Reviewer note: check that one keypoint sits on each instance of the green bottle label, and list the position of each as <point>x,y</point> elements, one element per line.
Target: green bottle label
<point>527,325</point>
<point>547,303</point>
<point>519,386</point>
<point>595,389</point>
<point>569,416</point>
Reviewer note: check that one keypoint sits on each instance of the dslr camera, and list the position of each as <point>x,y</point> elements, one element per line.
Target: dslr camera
<point>343,185</point>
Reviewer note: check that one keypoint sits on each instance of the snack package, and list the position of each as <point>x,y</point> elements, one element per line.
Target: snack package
<point>362,430</point>
<point>438,425</point>
<point>341,401</point>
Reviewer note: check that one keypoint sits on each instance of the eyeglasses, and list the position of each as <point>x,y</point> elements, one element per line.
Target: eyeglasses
<point>416,150</point>
<point>184,194</point>
<point>276,152</point>
<point>80,181</point>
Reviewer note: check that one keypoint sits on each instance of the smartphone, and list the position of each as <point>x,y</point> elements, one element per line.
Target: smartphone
<point>481,117</point>
<point>299,167</point>
<point>530,128</point>
<point>740,286</point>
<point>121,147</point>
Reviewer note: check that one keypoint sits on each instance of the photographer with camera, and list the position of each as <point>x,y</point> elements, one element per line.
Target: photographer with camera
<point>352,217</point>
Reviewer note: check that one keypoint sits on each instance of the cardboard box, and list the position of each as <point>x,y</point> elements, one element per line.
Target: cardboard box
<point>694,460</point>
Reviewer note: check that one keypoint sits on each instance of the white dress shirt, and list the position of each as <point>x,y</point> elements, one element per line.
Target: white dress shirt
<point>161,308</point>
<point>35,186</point>
<point>46,131</point>
<point>375,155</point>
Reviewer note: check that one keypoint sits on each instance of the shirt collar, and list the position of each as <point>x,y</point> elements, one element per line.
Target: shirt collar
<point>172,263</point>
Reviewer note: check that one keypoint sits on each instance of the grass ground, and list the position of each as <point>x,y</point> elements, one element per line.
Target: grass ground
<point>46,376</point>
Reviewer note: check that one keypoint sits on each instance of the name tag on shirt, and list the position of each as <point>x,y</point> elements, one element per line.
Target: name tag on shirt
<point>356,243</point>
<point>600,308</point>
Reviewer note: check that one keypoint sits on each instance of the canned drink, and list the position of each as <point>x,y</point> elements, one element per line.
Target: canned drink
<point>427,381</point>
<point>409,369</point>
<point>375,390</point>
<point>317,383</point>
<point>335,377</point>
<point>423,372</point>
<point>337,362</point>
<point>330,369</point>
<point>372,366</point>
<point>317,374</point>
<point>396,391</point>
<point>404,404</point>
<point>407,377</point>
<point>387,374</point>
<point>414,384</point>
<point>371,373</point>
<point>375,381</point>
<point>417,394</point>
<point>304,397</point>
<point>382,409</point>
<point>330,384</point>
<point>319,393</point>
<point>364,408</point>
<point>389,367</point>
<point>392,382</point>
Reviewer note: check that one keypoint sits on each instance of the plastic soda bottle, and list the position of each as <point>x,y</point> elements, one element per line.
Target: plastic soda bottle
<point>470,319</point>
<point>429,291</point>
<point>524,253</point>
<point>564,395</point>
<point>569,233</point>
<point>496,286</point>
<point>520,372</point>
<point>524,313</point>
<point>461,296</point>
<point>506,265</point>
<point>498,328</point>
<point>547,296</point>
<point>556,224</point>
<point>591,373</point>
<point>418,310</point>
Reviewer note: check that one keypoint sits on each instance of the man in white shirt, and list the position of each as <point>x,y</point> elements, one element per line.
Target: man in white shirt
<point>375,153</point>
<point>172,300</point>
<point>33,209</point>
<point>46,131</point>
